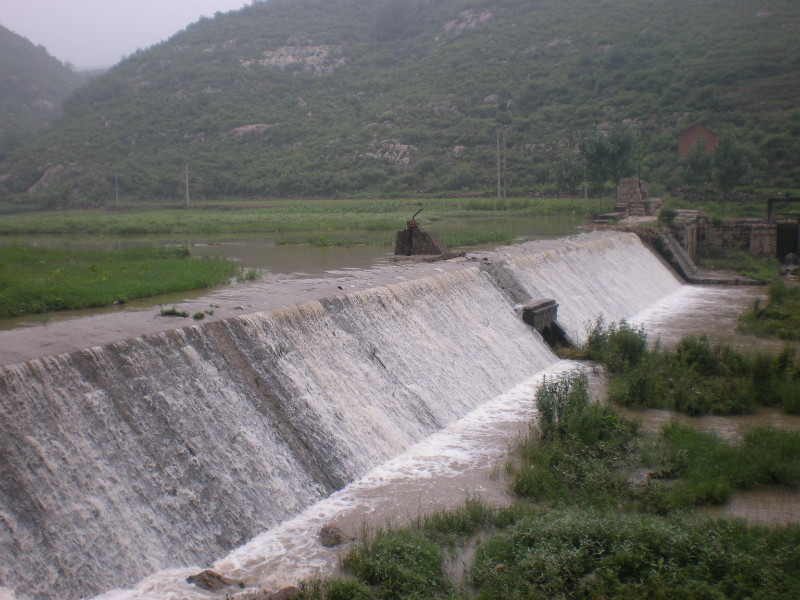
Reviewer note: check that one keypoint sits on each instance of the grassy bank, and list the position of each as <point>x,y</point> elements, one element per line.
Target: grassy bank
<point>36,280</point>
<point>600,513</point>
<point>738,261</point>
<point>696,377</point>
<point>285,216</point>
<point>779,317</point>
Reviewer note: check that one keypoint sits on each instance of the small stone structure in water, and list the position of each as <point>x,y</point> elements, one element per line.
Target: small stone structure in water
<point>413,240</point>
<point>541,314</point>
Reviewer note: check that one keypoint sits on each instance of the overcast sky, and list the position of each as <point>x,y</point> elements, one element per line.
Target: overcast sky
<point>97,33</point>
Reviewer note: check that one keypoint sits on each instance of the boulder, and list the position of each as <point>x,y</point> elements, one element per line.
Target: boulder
<point>212,581</point>
<point>331,536</point>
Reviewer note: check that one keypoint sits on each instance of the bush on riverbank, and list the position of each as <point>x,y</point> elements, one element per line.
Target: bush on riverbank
<point>697,377</point>
<point>36,280</point>
<point>780,317</point>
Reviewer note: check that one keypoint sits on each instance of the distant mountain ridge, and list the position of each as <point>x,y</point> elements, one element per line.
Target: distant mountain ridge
<point>32,86</point>
<point>325,97</point>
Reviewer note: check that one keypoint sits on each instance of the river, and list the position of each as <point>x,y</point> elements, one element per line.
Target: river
<point>388,354</point>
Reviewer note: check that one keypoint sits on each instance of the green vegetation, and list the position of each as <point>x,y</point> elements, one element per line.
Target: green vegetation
<point>578,453</point>
<point>173,312</point>
<point>336,98</point>
<point>609,156</point>
<point>697,377</point>
<point>779,318</point>
<point>738,261</point>
<point>293,217</point>
<point>696,468</point>
<point>588,554</point>
<point>586,526</point>
<point>34,85</point>
<point>36,280</point>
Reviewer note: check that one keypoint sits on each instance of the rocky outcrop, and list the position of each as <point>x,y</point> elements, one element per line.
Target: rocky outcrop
<point>314,59</point>
<point>469,19</point>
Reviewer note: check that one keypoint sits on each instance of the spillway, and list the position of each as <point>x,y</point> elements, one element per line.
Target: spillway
<point>172,449</point>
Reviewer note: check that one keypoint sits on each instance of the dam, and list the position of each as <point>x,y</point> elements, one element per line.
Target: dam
<point>176,447</point>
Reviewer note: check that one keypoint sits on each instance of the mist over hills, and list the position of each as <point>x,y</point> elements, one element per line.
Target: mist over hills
<point>32,86</point>
<point>326,97</point>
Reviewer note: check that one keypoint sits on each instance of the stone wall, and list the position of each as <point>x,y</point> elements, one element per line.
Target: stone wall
<point>751,235</point>
<point>685,232</point>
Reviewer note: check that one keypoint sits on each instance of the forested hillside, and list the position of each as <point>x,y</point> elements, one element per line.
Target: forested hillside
<point>324,97</point>
<point>32,86</point>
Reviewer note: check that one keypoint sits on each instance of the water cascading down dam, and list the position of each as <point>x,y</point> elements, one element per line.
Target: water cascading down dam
<point>171,449</point>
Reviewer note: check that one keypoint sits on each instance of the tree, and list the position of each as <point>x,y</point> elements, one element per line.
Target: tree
<point>697,167</point>
<point>729,166</point>
<point>609,156</point>
<point>569,172</point>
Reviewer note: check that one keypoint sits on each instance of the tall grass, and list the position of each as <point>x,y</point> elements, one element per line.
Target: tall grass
<point>780,317</point>
<point>600,554</point>
<point>697,468</point>
<point>697,377</point>
<point>579,450</point>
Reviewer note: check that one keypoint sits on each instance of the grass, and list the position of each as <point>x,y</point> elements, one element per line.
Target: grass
<point>38,280</point>
<point>696,468</point>
<point>696,377</point>
<point>583,527</point>
<point>578,451</point>
<point>286,216</point>
<point>738,261</point>
<point>780,317</point>
<point>607,554</point>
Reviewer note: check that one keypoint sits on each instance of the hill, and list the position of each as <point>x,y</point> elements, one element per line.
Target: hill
<point>325,97</point>
<point>33,86</point>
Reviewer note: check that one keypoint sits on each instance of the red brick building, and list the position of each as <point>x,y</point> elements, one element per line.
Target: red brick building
<point>689,137</point>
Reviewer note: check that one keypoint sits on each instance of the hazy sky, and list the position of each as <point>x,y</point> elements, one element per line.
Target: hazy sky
<point>94,33</point>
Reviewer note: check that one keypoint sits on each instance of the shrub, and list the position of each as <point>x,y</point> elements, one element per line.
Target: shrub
<point>403,563</point>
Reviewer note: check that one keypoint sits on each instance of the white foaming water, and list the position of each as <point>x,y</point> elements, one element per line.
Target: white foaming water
<point>398,490</point>
<point>172,449</point>
<point>615,276</point>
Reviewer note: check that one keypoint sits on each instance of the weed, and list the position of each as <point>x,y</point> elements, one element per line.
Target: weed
<point>578,452</point>
<point>402,562</point>
<point>199,315</point>
<point>173,312</point>
<point>576,554</point>
<point>697,377</point>
<point>250,275</point>
<point>779,318</point>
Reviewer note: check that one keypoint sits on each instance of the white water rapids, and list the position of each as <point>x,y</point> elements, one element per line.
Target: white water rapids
<point>240,438</point>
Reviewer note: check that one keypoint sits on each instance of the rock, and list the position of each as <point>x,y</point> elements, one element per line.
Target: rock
<point>331,536</point>
<point>212,581</point>
<point>288,592</point>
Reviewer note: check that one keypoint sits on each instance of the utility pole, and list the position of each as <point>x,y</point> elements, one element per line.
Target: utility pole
<point>116,187</point>
<point>505,167</point>
<point>502,189</point>
<point>187,186</point>
<point>498,163</point>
